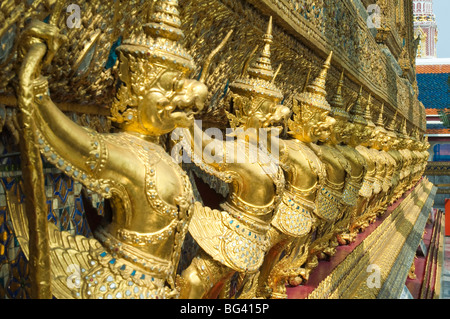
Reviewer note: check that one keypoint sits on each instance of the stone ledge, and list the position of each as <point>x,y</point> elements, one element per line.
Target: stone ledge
<point>389,243</point>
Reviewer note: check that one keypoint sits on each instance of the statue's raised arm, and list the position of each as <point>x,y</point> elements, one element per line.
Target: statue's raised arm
<point>58,136</point>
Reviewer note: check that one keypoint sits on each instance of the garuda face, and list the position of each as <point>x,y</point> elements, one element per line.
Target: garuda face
<point>158,103</point>
<point>359,134</point>
<point>310,125</point>
<point>342,131</point>
<point>257,112</point>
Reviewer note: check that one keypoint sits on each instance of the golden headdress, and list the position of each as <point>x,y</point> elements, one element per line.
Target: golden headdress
<point>258,79</point>
<point>357,112</point>
<point>337,102</point>
<point>368,112</point>
<point>380,121</point>
<point>391,127</point>
<point>159,41</point>
<point>401,130</point>
<point>144,57</point>
<point>404,129</point>
<point>414,134</point>
<point>315,93</point>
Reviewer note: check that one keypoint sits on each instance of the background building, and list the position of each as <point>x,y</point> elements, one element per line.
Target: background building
<point>425,27</point>
<point>433,84</point>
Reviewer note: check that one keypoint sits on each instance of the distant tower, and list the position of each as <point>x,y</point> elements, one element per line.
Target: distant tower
<point>425,26</point>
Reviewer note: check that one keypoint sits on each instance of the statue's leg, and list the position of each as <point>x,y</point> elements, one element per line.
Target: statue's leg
<point>278,243</point>
<point>320,240</point>
<point>204,278</point>
<point>345,235</point>
<point>291,267</point>
<point>249,287</point>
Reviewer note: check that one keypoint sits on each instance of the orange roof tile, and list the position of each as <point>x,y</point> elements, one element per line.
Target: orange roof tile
<point>431,111</point>
<point>440,68</point>
<point>438,131</point>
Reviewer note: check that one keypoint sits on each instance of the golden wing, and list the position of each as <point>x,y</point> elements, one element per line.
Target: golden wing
<point>69,254</point>
<point>226,237</point>
<point>83,268</point>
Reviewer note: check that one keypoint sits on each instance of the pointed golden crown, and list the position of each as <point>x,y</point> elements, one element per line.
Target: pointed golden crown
<point>404,129</point>
<point>258,79</point>
<point>380,122</point>
<point>414,134</point>
<point>368,112</point>
<point>159,41</point>
<point>401,129</point>
<point>144,57</point>
<point>337,102</point>
<point>391,126</point>
<point>315,93</point>
<point>357,112</point>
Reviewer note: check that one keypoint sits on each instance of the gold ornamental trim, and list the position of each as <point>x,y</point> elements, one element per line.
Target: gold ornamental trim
<point>349,279</point>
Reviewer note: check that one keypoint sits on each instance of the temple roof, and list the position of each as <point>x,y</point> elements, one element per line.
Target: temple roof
<point>433,83</point>
<point>433,87</point>
<point>433,69</point>
<point>431,112</point>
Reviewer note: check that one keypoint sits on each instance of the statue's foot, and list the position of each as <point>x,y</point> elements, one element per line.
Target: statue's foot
<point>296,281</point>
<point>330,251</point>
<point>344,239</point>
<point>264,293</point>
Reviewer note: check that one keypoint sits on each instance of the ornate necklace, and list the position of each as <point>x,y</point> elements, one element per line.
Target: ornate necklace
<point>150,155</point>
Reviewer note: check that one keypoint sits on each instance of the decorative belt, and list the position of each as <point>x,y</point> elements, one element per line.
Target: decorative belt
<point>293,216</point>
<point>254,210</point>
<point>142,274</point>
<point>152,264</point>
<point>351,192</point>
<point>253,222</point>
<point>366,188</point>
<point>328,203</point>
<point>143,239</point>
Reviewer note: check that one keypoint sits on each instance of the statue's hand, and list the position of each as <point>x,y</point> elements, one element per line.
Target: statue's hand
<point>38,33</point>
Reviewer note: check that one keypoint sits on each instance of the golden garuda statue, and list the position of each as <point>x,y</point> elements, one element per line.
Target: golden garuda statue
<point>137,253</point>
<point>352,134</point>
<point>236,238</point>
<point>362,137</point>
<point>297,216</point>
<point>330,198</point>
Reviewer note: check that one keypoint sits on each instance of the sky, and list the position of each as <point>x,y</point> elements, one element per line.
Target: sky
<point>441,9</point>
